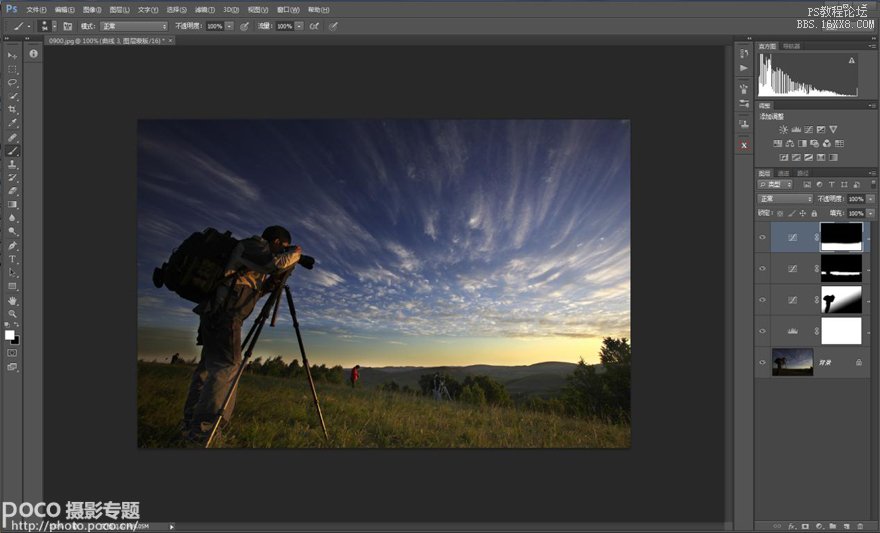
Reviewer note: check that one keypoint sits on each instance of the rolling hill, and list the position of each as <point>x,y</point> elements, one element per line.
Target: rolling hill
<point>539,379</point>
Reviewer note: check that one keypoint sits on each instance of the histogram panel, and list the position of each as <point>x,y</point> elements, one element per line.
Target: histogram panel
<point>808,75</point>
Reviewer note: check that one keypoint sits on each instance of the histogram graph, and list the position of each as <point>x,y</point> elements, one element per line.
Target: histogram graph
<point>808,75</point>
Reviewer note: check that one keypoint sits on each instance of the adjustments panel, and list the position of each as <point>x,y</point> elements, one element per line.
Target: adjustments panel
<point>806,121</point>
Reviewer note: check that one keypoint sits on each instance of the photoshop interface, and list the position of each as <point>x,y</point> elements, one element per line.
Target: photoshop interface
<point>578,266</point>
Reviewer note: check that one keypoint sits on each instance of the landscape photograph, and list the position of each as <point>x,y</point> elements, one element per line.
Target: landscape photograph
<point>459,284</point>
<point>792,361</point>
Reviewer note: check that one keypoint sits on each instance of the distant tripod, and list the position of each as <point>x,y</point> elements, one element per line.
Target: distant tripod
<point>440,390</point>
<point>250,341</point>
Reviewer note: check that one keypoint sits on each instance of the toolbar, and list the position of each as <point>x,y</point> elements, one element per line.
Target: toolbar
<point>14,56</point>
<point>150,19</point>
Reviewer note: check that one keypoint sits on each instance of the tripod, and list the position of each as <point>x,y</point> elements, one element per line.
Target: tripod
<point>440,391</point>
<point>250,341</point>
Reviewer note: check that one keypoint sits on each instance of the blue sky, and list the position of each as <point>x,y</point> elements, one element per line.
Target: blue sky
<point>795,358</point>
<point>437,241</point>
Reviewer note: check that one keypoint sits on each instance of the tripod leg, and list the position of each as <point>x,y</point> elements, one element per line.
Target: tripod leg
<point>302,352</point>
<point>275,311</point>
<point>251,331</point>
<point>250,341</point>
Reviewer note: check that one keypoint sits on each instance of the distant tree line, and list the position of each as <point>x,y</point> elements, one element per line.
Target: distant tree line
<point>426,384</point>
<point>276,367</point>
<point>176,359</point>
<point>393,386</point>
<point>483,390</point>
<point>477,390</point>
<point>592,391</point>
<point>604,393</point>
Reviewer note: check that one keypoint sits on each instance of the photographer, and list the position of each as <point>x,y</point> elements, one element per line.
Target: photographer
<point>251,268</point>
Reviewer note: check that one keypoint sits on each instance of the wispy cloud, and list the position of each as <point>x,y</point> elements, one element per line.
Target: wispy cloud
<point>515,229</point>
<point>194,164</point>
<point>406,259</point>
<point>324,278</point>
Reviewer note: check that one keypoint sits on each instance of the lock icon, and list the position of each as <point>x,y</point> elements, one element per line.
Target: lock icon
<point>858,362</point>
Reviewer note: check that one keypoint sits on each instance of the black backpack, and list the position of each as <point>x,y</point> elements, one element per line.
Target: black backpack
<point>197,266</point>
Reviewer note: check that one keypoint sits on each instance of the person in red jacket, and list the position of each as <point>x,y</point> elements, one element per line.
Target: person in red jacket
<point>355,375</point>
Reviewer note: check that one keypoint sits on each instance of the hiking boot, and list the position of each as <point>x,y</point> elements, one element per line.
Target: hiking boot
<point>183,428</point>
<point>199,434</point>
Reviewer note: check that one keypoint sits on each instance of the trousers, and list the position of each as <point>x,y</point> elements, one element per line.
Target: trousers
<point>221,357</point>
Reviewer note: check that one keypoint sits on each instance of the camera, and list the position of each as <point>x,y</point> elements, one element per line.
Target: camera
<point>307,261</point>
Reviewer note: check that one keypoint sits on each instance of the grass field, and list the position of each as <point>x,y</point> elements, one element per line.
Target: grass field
<point>279,413</point>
